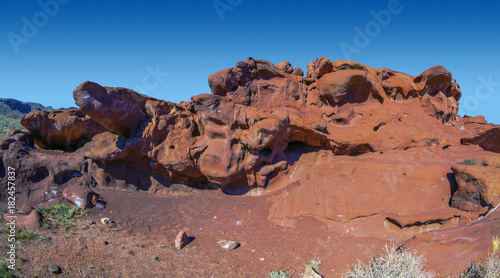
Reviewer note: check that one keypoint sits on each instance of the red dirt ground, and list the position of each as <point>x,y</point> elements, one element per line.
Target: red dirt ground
<point>146,221</point>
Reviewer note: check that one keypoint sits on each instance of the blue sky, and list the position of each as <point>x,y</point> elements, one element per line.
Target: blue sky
<point>123,43</point>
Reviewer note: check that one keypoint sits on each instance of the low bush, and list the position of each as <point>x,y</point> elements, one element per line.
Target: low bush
<point>392,263</point>
<point>61,215</point>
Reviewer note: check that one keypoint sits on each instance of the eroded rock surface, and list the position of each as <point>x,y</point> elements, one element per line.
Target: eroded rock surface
<point>67,129</point>
<point>478,185</point>
<point>450,251</point>
<point>237,138</point>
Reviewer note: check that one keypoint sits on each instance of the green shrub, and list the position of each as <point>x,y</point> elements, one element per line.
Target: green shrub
<point>26,234</point>
<point>5,271</point>
<point>21,233</point>
<point>61,215</point>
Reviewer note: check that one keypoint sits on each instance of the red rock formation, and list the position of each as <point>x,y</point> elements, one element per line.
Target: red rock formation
<point>257,109</point>
<point>372,152</point>
<point>238,136</point>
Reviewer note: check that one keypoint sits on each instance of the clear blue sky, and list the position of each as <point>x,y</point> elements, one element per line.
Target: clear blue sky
<point>118,43</point>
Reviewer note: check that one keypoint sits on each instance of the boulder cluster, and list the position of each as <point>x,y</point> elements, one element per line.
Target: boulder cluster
<point>245,132</point>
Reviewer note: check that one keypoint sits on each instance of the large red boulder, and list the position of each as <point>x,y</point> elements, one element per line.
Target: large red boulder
<point>119,110</point>
<point>64,129</point>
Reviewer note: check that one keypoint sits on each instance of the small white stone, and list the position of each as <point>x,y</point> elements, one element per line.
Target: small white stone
<point>105,221</point>
<point>228,244</point>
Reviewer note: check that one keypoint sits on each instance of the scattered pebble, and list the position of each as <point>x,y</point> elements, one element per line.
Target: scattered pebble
<point>228,244</point>
<point>105,221</point>
<point>261,259</point>
<point>181,240</point>
<point>53,268</point>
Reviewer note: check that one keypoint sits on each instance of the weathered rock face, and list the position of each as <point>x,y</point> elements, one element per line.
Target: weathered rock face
<point>478,185</point>
<point>120,110</point>
<point>391,195</point>
<point>67,129</point>
<point>372,152</point>
<point>451,251</point>
<point>440,93</point>
<point>41,175</point>
<point>489,140</point>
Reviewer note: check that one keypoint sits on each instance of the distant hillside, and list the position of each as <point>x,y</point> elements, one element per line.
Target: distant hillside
<point>13,110</point>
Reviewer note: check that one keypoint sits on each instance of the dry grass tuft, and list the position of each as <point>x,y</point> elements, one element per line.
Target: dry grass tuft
<point>393,263</point>
<point>489,268</point>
